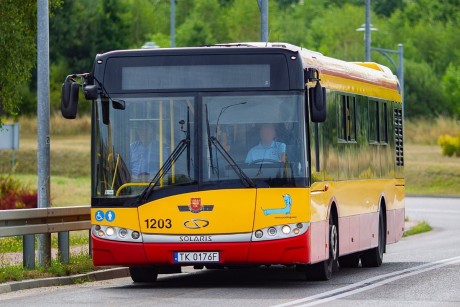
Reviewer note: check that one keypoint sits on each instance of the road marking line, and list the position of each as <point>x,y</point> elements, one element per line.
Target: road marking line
<point>369,283</point>
<point>440,211</point>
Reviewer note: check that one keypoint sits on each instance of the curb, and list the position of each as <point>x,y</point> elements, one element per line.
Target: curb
<point>65,280</point>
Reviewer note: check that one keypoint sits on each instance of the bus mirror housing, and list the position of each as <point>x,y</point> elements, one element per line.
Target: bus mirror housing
<point>118,104</point>
<point>69,99</point>
<point>91,92</point>
<point>317,97</point>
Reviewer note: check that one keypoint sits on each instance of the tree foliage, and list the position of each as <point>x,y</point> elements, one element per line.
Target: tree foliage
<point>80,29</point>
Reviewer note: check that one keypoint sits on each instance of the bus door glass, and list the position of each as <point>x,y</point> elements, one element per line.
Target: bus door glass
<point>138,140</point>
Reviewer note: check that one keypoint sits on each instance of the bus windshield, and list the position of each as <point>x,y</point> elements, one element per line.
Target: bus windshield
<point>226,140</point>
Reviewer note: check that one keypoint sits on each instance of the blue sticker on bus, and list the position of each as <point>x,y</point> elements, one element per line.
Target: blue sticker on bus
<point>99,216</point>
<point>110,216</point>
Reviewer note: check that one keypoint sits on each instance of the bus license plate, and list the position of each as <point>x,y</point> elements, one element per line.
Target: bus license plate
<point>196,257</point>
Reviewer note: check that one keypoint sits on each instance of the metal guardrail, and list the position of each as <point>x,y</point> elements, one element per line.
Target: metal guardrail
<point>28,222</point>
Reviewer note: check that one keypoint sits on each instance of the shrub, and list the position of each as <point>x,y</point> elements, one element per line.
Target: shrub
<point>450,145</point>
<point>15,195</point>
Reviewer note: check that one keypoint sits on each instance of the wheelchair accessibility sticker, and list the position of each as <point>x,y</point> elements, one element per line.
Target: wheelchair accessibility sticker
<point>100,216</point>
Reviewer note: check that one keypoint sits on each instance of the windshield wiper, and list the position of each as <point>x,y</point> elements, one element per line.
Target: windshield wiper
<point>208,129</point>
<point>164,169</point>
<point>244,178</point>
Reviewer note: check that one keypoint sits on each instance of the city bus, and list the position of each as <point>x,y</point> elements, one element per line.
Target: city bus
<point>241,154</point>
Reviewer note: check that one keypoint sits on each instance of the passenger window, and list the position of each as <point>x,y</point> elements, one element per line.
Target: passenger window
<point>347,119</point>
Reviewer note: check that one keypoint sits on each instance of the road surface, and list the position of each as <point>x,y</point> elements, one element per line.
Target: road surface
<point>421,270</point>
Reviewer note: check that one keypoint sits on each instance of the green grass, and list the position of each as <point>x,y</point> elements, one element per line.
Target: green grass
<point>79,264</point>
<point>14,244</point>
<point>420,227</point>
<point>428,172</point>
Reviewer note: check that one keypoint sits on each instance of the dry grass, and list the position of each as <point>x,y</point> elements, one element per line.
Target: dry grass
<point>65,191</point>
<point>427,171</point>
<point>59,126</point>
<point>427,131</point>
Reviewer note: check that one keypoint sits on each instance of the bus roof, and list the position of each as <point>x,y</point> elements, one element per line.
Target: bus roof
<point>370,72</point>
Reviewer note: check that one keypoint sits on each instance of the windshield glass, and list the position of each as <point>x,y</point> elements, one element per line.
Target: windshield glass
<point>264,135</point>
<point>130,150</point>
<point>238,140</point>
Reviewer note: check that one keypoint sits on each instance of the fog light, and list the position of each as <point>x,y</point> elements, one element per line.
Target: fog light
<point>286,229</point>
<point>100,233</point>
<point>97,227</point>
<point>299,225</point>
<point>123,232</point>
<point>110,231</point>
<point>272,231</point>
<point>135,235</point>
<point>259,234</point>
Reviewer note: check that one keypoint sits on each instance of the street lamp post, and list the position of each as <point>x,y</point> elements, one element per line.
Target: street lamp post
<point>399,68</point>
<point>263,7</point>
<point>367,28</point>
<point>173,23</point>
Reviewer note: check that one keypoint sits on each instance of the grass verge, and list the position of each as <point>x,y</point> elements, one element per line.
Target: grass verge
<point>79,264</point>
<point>420,227</point>
<point>14,244</point>
<point>428,172</point>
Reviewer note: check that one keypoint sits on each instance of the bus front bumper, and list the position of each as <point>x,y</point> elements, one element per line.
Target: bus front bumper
<point>287,251</point>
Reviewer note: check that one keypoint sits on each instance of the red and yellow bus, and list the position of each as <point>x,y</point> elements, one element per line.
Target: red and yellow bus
<point>241,154</point>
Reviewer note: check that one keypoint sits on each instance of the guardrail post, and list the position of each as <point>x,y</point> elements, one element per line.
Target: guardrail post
<point>90,244</point>
<point>63,247</point>
<point>28,251</point>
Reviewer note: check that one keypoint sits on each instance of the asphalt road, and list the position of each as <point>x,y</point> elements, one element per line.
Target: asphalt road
<point>422,270</point>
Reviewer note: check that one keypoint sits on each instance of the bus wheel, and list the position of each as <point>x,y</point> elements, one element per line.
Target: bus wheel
<point>323,270</point>
<point>143,273</point>
<point>349,261</point>
<point>374,256</point>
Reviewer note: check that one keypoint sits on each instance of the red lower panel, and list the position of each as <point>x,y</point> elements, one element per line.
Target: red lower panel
<point>286,251</point>
<point>107,252</point>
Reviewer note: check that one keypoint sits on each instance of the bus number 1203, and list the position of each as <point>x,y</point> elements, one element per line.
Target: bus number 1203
<point>154,223</point>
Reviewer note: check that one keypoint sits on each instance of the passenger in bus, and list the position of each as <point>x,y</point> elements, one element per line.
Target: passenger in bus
<point>145,151</point>
<point>268,150</point>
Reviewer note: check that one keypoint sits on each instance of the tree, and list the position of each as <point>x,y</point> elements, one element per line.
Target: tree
<point>451,86</point>
<point>18,30</point>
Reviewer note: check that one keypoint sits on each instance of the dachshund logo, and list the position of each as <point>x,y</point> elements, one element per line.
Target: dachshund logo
<point>286,210</point>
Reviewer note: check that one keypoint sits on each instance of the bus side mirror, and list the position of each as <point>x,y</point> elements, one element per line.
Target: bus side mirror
<point>69,99</point>
<point>317,97</point>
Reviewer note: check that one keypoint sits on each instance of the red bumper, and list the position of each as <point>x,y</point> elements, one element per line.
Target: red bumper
<point>285,251</point>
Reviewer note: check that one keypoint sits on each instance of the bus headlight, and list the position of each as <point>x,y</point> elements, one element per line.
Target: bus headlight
<point>123,232</point>
<point>286,229</point>
<point>110,231</point>
<point>116,233</point>
<point>135,235</point>
<point>279,232</point>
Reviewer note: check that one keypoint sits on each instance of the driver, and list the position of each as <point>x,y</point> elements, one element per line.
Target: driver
<point>145,151</point>
<point>268,149</point>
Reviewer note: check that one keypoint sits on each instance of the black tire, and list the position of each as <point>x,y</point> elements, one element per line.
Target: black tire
<point>349,261</point>
<point>374,257</point>
<point>144,274</point>
<point>323,271</point>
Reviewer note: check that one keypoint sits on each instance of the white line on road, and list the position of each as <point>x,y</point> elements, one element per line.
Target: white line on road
<point>369,283</point>
<point>432,211</point>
